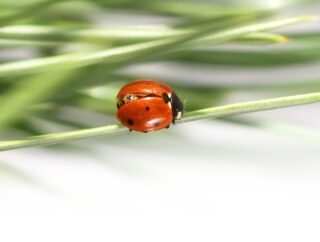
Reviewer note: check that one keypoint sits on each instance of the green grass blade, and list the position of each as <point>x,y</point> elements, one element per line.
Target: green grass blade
<point>251,58</point>
<point>124,55</point>
<point>28,11</point>
<point>214,112</point>
<point>16,102</point>
<point>107,36</point>
<point>232,34</point>
<point>263,38</point>
<point>27,43</point>
<point>51,139</point>
<point>123,35</point>
<point>186,9</point>
<point>253,106</point>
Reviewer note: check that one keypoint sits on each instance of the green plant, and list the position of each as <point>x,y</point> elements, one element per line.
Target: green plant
<point>59,77</point>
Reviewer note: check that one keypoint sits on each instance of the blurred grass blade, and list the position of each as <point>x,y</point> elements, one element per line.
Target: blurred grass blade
<point>28,11</point>
<point>312,37</point>
<point>263,38</point>
<point>186,9</point>
<point>16,102</point>
<point>249,58</point>
<point>214,112</point>
<point>117,35</point>
<point>53,36</point>
<point>193,9</point>
<point>232,34</point>
<point>27,43</point>
<point>105,35</point>
<point>124,55</point>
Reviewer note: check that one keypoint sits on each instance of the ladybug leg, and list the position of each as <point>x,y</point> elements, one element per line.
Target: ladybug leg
<point>145,132</point>
<point>130,130</point>
<point>168,126</point>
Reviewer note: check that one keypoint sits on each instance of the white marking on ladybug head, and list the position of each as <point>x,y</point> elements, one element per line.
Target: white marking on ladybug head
<point>179,115</point>
<point>129,97</point>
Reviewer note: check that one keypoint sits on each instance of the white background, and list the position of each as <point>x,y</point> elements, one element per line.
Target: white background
<point>202,181</point>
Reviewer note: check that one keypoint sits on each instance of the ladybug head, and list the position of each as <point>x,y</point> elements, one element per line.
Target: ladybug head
<point>177,107</point>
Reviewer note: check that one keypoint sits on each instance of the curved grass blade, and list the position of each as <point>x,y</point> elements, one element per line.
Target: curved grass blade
<point>214,112</point>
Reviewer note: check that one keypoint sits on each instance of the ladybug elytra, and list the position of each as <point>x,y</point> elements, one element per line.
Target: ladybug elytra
<point>147,105</point>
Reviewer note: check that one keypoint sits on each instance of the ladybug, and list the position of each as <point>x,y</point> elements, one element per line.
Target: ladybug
<point>148,105</point>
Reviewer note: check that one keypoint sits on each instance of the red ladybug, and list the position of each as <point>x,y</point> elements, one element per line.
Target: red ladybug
<point>148,105</point>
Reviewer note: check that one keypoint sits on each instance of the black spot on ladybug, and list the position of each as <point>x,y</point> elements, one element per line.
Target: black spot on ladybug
<point>130,122</point>
<point>166,97</point>
<point>147,108</point>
